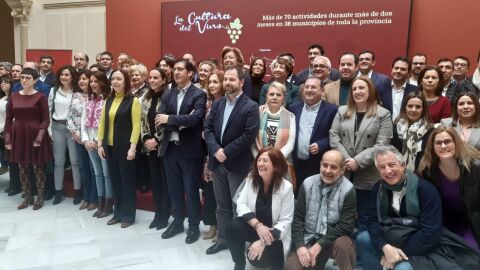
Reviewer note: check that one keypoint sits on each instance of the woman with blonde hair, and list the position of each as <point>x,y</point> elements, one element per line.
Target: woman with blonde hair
<point>454,168</point>
<point>357,129</point>
<point>205,69</point>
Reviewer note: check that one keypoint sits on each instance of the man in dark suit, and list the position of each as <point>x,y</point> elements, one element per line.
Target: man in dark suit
<point>181,117</point>
<point>230,130</point>
<point>46,74</point>
<point>314,51</point>
<point>313,118</point>
<point>392,96</point>
<point>366,63</point>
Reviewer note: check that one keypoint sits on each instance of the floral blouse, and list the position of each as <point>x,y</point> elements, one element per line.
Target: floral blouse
<point>75,112</point>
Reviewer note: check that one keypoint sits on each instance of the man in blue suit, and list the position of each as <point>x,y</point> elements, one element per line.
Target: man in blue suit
<point>230,130</point>
<point>392,96</point>
<point>314,118</point>
<point>180,116</point>
<point>366,62</point>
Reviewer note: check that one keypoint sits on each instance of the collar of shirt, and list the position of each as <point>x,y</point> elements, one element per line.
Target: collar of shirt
<point>231,102</point>
<point>394,88</point>
<point>313,107</point>
<point>184,89</point>
<point>369,75</point>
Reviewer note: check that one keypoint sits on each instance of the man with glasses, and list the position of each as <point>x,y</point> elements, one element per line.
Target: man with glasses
<point>321,69</point>
<point>46,74</point>
<point>314,51</point>
<point>419,62</point>
<point>459,82</point>
<point>324,218</point>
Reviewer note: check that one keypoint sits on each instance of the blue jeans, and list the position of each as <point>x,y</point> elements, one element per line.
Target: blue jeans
<point>61,140</point>
<point>102,175</point>
<point>88,177</point>
<point>371,257</point>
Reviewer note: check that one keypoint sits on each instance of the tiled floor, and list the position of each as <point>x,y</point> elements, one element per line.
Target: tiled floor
<point>62,237</point>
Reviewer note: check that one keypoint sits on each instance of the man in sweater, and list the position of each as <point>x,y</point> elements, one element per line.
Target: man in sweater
<point>324,218</point>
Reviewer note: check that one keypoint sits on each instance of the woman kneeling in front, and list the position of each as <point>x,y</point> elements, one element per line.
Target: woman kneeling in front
<point>265,213</point>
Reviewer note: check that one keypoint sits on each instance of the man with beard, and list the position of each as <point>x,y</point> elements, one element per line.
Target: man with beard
<point>337,91</point>
<point>419,62</point>
<point>230,129</point>
<point>181,117</point>
<point>46,74</point>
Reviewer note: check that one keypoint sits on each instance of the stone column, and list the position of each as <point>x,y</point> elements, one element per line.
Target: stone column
<point>20,13</point>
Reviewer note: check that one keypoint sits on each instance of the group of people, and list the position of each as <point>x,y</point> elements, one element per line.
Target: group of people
<point>346,164</point>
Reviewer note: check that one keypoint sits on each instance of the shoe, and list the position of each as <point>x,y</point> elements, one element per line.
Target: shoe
<point>23,205</point>
<point>217,247</point>
<point>162,224</point>
<point>3,170</point>
<point>58,197</point>
<point>7,190</point>
<point>112,221</point>
<point>125,225</point>
<point>101,203</point>
<point>211,233</point>
<point>83,206</point>
<point>91,206</point>
<point>107,208</point>
<point>13,192</point>
<point>172,230</point>
<point>77,197</point>
<point>48,196</point>
<point>37,205</point>
<point>193,233</point>
<point>153,224</point>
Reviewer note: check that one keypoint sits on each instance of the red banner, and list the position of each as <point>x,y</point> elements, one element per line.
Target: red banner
<point>267,27</point>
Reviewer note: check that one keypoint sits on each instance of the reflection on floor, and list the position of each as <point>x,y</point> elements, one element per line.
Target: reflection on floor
<point>63,237</point>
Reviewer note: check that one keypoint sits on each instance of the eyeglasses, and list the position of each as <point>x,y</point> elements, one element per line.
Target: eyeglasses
<point>440,143</point>
<point>179,69</point>
<point>459,65</point>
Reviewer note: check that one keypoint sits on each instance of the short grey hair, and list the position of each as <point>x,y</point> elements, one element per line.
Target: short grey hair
<point>324,58</point>
<point>385,149</point>
<point>6,65</point>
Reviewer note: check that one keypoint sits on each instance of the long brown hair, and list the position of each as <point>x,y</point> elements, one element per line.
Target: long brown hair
<point>127,91</point>
<point>279,164</point>
<point>476,104</point>
<point>103,83</point>
<point>464,153</point>
<point>372,100</point>
<point>163,87</point>
<point>219,74</point>
<point>425,114</point>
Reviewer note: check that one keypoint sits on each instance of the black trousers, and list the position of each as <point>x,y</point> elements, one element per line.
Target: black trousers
<point>239,232</point>
<point>209,216</point>
<point>143,178</point>
<point>158,179</point>
<point>122,173</point>
<point>305,169</point>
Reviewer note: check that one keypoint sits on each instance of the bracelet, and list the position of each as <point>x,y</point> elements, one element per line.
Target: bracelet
<point>258,225</point>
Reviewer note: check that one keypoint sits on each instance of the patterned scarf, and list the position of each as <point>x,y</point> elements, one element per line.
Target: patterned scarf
<point>412,140</point>
<point>94,111</point>
<point>282,132</point>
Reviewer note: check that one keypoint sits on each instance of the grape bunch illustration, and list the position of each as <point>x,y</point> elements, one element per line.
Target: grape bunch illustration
<point>234,31</point>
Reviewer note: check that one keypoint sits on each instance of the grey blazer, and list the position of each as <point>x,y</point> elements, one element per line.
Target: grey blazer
<point>473,140</point>
<point>373,131</point>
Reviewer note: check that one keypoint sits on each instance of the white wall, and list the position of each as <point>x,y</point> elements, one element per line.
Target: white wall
<point>77,28</point>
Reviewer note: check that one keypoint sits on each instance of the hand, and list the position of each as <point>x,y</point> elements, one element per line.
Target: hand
<point>131,153</point>
<point>352,165</point>
<point>161,119</point>
<point>150,144</point>
<point>8,146</point>
<point>314,251</point>
<point>101,152</point>
<point>265,234</point>
<point>313,148</point>
<point>304,257</point>
<point>391,256</point>
<point>35,144</point>
<point>220,155</point>
<point>89,145</point>
<point>76,137</point>
<point>255,250</point>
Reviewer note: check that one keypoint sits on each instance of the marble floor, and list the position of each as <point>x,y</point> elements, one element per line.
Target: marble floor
<point>63,237</point>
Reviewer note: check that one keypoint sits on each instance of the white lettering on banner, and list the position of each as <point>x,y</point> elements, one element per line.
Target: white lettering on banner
<point>209,21</point>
